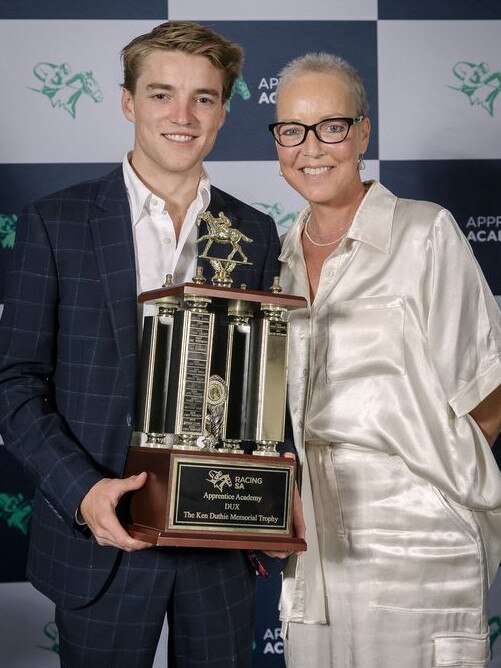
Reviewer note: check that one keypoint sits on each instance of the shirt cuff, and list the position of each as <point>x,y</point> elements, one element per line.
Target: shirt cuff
<point>477,389</point>
<point>79,520</point>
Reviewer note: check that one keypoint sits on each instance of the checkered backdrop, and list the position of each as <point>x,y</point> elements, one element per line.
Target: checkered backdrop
<point>432,71</point>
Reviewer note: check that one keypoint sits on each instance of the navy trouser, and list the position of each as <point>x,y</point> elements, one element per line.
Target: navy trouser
<point>209,599</point>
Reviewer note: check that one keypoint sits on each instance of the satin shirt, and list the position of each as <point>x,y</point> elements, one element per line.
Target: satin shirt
<point>401,342</point>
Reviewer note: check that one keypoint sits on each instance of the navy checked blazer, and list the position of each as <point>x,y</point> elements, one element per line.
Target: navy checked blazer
<point>68,340</point>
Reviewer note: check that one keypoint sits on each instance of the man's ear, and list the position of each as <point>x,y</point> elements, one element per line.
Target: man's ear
<point>223,116</point>
<point>128,105</point>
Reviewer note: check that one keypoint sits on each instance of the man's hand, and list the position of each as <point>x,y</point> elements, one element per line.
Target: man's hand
<point>98,510</point>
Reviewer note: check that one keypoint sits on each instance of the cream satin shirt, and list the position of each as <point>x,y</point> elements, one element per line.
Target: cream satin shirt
<point>402,340</point>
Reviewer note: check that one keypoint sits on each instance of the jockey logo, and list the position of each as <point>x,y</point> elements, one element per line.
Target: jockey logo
<point>7,230</point>
<point>276,211</point>
<point>495,626</point>
<point>16,511</point>
<point>52,634</point>
<point>63,88</point>
<point>479,84</point>
<point>219,479</point>
<point>241,89</point>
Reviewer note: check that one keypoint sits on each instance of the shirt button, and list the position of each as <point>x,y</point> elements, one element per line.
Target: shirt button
<point>304,373</point>
<point>167,240</point>
<point>154,202</point>
<point>330,273</point>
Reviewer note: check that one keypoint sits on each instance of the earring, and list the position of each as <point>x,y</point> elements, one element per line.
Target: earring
<point>280,172</point>
<point>361,162</point>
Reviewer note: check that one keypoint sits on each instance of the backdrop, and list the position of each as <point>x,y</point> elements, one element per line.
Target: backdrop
<point>432,71</point>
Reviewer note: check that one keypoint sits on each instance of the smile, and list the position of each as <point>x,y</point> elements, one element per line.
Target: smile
<point>315,171</point>
<point>179,138</point>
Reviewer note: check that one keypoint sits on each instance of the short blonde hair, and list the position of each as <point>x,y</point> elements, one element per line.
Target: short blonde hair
<point>190,38</point>
<point>326,63</point>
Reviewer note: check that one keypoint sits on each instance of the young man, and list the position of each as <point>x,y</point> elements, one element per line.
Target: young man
<point>69,360</point>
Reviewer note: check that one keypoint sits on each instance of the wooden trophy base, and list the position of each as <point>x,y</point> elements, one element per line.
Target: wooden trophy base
<point>209,499</point>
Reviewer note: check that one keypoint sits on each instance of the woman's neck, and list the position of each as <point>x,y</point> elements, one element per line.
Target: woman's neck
<point>331,219</point>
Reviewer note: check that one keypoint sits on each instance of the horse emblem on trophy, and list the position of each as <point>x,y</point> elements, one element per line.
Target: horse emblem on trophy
<point>64,89</point>
<point>220,231</point>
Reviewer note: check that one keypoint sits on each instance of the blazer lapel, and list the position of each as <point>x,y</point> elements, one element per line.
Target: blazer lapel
<point>114,246</point>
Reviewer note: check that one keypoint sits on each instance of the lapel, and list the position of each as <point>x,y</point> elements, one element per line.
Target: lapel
<point>111,231</point>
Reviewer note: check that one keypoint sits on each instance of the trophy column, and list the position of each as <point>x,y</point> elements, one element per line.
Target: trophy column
<point>237,374</point>
<point>191,353</point>
<point>265,415</point>
<point>154,372</point>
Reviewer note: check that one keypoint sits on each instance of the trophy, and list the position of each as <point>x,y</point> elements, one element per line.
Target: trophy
<point>213,382</point>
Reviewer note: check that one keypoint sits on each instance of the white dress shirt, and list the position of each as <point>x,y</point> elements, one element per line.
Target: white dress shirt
<point>156,251</point>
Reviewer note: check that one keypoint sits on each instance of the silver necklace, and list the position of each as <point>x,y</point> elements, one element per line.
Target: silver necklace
<point>345,227</point>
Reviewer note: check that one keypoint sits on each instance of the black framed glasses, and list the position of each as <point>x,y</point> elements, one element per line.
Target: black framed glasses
<point>329,131</point>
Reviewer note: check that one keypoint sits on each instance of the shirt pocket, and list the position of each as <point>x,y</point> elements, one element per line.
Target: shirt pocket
<point>366,338</point>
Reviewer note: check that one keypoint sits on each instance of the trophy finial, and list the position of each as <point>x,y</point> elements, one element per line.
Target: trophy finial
<point>276,287</point>
<point>199,277</point>
<point>168,281</point>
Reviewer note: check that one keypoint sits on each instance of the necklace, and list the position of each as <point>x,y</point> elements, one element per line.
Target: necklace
<point>329,243</point>
<point>344,227</point>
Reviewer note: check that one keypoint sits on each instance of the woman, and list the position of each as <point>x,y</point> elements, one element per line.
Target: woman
<point>395,395</point>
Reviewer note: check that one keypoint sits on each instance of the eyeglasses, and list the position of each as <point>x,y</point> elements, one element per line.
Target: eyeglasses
<point>329,131</point>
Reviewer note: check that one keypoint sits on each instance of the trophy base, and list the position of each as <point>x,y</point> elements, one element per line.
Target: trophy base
<point>209,499</point>
<point>264,543</point>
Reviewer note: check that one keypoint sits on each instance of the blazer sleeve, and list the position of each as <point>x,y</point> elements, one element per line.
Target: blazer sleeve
<point>31,427</point>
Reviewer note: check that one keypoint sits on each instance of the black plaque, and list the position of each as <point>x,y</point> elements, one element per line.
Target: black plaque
<point>235,496</point>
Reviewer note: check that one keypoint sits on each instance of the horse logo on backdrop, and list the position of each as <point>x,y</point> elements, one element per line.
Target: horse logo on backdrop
<point>239,88</point>
<point>16,511</point>
<point>495,627</point>
<point>63,88</point>
<point>276,211</point>
<point>479,84</point>
<point>52,634</point>
<point>7,230</point>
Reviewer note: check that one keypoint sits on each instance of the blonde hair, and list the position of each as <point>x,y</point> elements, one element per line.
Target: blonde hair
<point>326,63</point>
<point>190,38</point>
